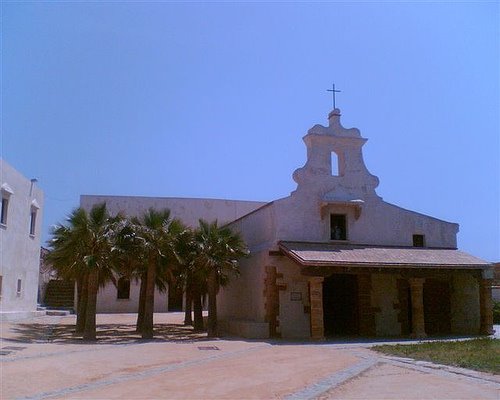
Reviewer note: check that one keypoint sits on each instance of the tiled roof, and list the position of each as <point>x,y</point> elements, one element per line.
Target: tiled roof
<point>324,254</point>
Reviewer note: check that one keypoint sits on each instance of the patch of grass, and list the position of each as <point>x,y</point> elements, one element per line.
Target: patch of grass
<point>478,354</point>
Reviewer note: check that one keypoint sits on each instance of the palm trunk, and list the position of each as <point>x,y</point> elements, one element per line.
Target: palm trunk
<point>147,328</point>
<point>188,318</point>
<point>81,307</point>
<point>142,302</point>
<point>212,304</point>
<point>93,285</point>
<point>198,310</point>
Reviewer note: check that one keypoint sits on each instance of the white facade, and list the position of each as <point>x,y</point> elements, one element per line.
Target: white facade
<point>273,289</point>
<point>189,211</point>
<point>20,235</point>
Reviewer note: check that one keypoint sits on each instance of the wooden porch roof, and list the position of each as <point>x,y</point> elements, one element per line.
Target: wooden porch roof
<point>355,255</point>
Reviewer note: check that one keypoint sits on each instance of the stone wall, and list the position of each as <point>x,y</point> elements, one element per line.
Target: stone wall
<point>465,311</point>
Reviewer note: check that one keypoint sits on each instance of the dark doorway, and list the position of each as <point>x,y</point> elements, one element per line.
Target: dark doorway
<point>174,298</point>
<point>437,308</point>
<point>340,305</point>
<point>123,288</point>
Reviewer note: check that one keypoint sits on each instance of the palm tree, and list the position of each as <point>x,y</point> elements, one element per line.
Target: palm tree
<point>61,256</point>
<point>83,249</point>
<point>157,232</point>
<point>130,246</point>
<point>218,252</point>
<point>190,277</point>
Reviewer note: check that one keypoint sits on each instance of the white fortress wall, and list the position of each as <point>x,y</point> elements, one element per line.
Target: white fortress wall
<point>20,248</point>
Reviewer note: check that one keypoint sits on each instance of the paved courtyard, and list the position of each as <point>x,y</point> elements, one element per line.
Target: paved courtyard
<point>41,359</point>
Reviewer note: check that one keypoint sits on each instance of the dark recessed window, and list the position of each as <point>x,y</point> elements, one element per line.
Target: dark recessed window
<point>32,222</point>
<point>418,241</point>
<point>3,212</point>
<point>123,288</point>
<point>19,287</point>
<point>338,230</point>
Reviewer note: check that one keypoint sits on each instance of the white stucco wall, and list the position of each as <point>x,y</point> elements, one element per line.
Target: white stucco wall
<point>293,321</point>
<point>20,251</point>
<point>244,298</point>
<point>384,295</point>
<point>305,215</point>
<point>189,211</point>
<point>258,229</point>
<point>301,218</point>
<point>108,303</point>
<point>241,305</point>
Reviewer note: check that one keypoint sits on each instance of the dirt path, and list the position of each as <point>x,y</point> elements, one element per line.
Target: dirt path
<point>41,359</point>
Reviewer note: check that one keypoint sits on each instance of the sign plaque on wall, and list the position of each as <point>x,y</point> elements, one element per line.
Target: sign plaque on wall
<point>296,296</point>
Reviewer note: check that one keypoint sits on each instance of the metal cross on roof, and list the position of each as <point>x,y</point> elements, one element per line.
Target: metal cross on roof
<point>333,94</point>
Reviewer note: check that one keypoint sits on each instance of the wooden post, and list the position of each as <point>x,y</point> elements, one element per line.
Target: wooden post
<point>417,307</point>
<point>316,298</point>
<point>486,307</point>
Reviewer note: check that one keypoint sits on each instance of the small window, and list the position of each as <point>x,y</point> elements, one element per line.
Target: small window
<point>19,287</point>
<point>418,241</point>
<point>3,212</point>
<point>338,228</point>
<point>1,280</point>
<point>123,287</point>
<point>32,221</point>
<point>335,164</point>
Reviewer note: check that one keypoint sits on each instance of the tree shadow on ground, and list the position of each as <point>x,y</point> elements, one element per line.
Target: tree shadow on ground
<point>106,334</point>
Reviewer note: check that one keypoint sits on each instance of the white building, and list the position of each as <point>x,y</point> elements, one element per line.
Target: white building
<point>334,258</point>
<point>20,233</point>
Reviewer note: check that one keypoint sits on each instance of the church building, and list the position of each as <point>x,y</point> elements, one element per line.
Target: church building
<point>335,259</point>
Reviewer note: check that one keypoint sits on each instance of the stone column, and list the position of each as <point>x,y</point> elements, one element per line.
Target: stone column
<point>417,307</point>
<point>486,306</point>
<point>316,298</point>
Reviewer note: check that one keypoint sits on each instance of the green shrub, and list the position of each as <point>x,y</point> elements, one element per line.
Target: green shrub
<point>496,312</point>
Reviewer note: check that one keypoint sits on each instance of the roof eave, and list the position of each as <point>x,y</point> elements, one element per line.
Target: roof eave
<point>309,263</point>
<point>305,263</point>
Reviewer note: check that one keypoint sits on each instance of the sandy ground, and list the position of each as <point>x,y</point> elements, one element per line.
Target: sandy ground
<point>42,359</point>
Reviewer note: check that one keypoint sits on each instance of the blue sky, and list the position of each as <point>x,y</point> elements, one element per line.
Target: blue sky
<point>212,100</point>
